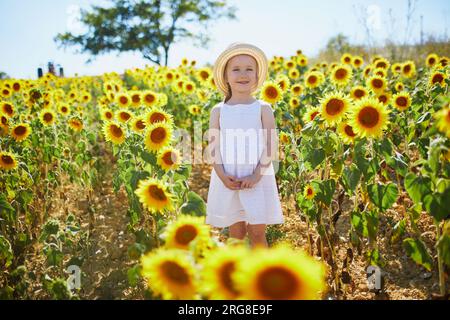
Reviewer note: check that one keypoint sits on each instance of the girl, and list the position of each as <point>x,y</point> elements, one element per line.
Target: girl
<point>242,194</point>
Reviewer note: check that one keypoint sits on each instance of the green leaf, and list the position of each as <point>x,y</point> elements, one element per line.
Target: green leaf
<point>438,204</point>
<point>383,196</point>
<point>49,228</point>
<point>398,231</point>
<point>6,254</point>
<point>417,251</point>
<point>315,157</point>
<point>417,187</point>
<point>134,275</point>
<point>350,178</point>
<point>149,157</point>
<point>374,258</point>
<point>195,205</point>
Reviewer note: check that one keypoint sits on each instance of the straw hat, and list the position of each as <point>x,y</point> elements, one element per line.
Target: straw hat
<point>234,50</point>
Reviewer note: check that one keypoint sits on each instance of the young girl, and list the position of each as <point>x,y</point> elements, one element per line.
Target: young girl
<point>243,193</point>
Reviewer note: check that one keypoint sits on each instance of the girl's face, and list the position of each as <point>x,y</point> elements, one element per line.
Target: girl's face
<point>241,74</point>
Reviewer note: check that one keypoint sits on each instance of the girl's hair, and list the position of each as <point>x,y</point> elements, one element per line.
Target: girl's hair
<point>229,93</point>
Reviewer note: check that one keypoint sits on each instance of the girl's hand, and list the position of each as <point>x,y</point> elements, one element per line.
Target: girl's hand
<point>231,182</point>
<point>250,181</point>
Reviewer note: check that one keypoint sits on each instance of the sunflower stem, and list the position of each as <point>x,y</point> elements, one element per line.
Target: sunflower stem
<point>440,262</point>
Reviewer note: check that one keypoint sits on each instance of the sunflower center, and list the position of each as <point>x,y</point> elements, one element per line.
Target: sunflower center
<point>48,117</point>
<point>189,87</point>
<point>135,98</point>
<point>437,78</point>
<point>225,276</point>
<point>402,101</point>
<point>382,98</point>
<point>155,117</point>
<point>116,131</point>
<point>309,192</point>
<point>125,116</point>
<point>140,124</point>
<point>432,61</point>
<point>334,106</point>
<point>359,93</point>
<point>377,83</point>
<point>341,74</point>
<point>7,159</point>
<point>150,98</point>
<point>347,59</point>
<point>16,86</point>
<point>169,158</point>
<point>108,115</point>
<point>64,109</point>
<point>157,193</point>
<point>381,65</point>
<point>4,120</point>
<point>185,234</point>
<point>204,75</point>
<point>314,114</point>
<point>174,272</point>
<point>278,283</point>
<point>271,92</point>
<point>158,135</point>
<point>312,79</point>
<point>123,100</point>
<point>7,108</point>
<point>368,117</point>
<point>407,68</point>
<point>349,131</point>
<point>20,130</point>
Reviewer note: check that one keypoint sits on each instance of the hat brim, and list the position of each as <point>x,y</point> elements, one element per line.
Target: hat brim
<point>255,52</point>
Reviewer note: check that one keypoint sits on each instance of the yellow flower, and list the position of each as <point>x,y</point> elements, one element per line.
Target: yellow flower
<point>443,120</point>
<point>314,79</point>
<point>357,62</point>
<point>154,195</point>
<point>409,69</point>
<point>64,109</point>
<point>76,124</point>
<point>149,98</point>
<point>158,136</point>
<point>358,92</point>
<point>369,118</point>
<point>7,161</point>
<point>280,273</point>
<point>123,100</point>
<point>194,109</point>
<point>294,74</point>
<point>107,115</point>
<point>333,107</point>
<point>431,60</point>
<point>294,102</point>
<point>297,89</point>
<point>346,132</point>
<point>114,132</point>
<point>399,86</point>
<point>47,117</point>
<point>283,82</point>
<point>7,109</point>
<point>138,124</point>
<point>341,75</point>
<point>309,192</point>
<point>158,115</point>
<point>437,78</point>
<point>311,114</point>
<point>346,58</point>
<point>402,100</point>
<point>136,98</point>
<point>169,158</point>
<point>189,87</point>
<point>284,138</point>
<point>170,273</point>
<point>21,131</point>
<point>188,232</point>
<point>381,63</point>
<point>271,92</point>
<point>218,270</point>
<point>384,98</point>
<point>377,84</point>
<point>124,116</point>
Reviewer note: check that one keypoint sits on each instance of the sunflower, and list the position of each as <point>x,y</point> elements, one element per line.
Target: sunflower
<point>86,97</point>
<point>346,58</point>
<point>309,192</point>
<point>357,62</point>
<point>280,274</point>
<point>294,102</point>
<point>170,273</point>
<point>297,89</point>
<point>367,70</point>
<point>284,138</point>
<point>169,76</point>
<point>358,92</point>
<point>149,98</point>
<point>333,107</point>
<point>396,68</point>
<point>302,61</point>
<point>346,132</point>
<point>154,195</point>
<point>443,61</point>
<point>384,98</point>
<point>311,114</point>
<point>7,109</point>
<point>47,117</point>
<point>380,72</point>
<point>271,92</point>
<point>369,118</point>
<point>194,109</point>
<point>123,100</point>
<point>107,115</point>
<point>399,86</point>
<point>204,74</point>
<point>341,75</point>
<point>218,270</point>
<point>443,120</point>
<point>136,98</point>
<point>202,95</point>
<point>124,116</point>
<point>16,86</point>
<point>114,132</point>
<point>437,78</point>
<point>377,84</point>
<point>158,115</point>
<point>189,87</point>
<point>7,161</point>
<point>402,100</point>
<point>431,60</point>
<point>6,92</point>
<point>188,232</point>
<point>409,69</point>
<point>64,109</point>
<point>283,82</point>
<point>76,124</point>
<point>294,74</point>
<point>21,131</point>
<point>381,63</point>
<point>290,64</point>
<point>169,158</point>
<point>138,124</point>
<point>157,136</point>
<point>314,79</point>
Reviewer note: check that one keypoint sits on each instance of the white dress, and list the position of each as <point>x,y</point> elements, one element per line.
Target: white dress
<point>241,146</point>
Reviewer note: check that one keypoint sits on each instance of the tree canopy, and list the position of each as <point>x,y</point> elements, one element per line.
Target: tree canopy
<point>146,26</point>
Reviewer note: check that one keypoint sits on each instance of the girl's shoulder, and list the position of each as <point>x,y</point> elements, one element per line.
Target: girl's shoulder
<point>265,105</point>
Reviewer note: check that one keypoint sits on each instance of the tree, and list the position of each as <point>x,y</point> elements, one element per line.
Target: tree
<point>146,26</point>
<point>3,75</point>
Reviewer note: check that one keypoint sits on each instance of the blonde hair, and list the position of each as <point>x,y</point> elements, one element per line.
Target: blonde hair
<point>229,93</point>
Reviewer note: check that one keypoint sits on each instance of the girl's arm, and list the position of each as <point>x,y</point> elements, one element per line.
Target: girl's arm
<point>270,152</point>
<point>214,143</point>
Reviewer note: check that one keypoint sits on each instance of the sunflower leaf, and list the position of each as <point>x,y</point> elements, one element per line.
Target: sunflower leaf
<point>350,178</point>
<point>194,206</point>
<point>417,187</point>
<point>383,196</point>
<point>417,251</point>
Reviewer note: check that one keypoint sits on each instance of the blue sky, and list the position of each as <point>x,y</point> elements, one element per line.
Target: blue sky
<point>27,29</point>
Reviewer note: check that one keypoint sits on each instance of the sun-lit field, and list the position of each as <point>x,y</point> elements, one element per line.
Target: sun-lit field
<point>94,178</point>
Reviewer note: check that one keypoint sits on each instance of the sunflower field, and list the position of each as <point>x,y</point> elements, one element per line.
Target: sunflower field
<point>96,175</point>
